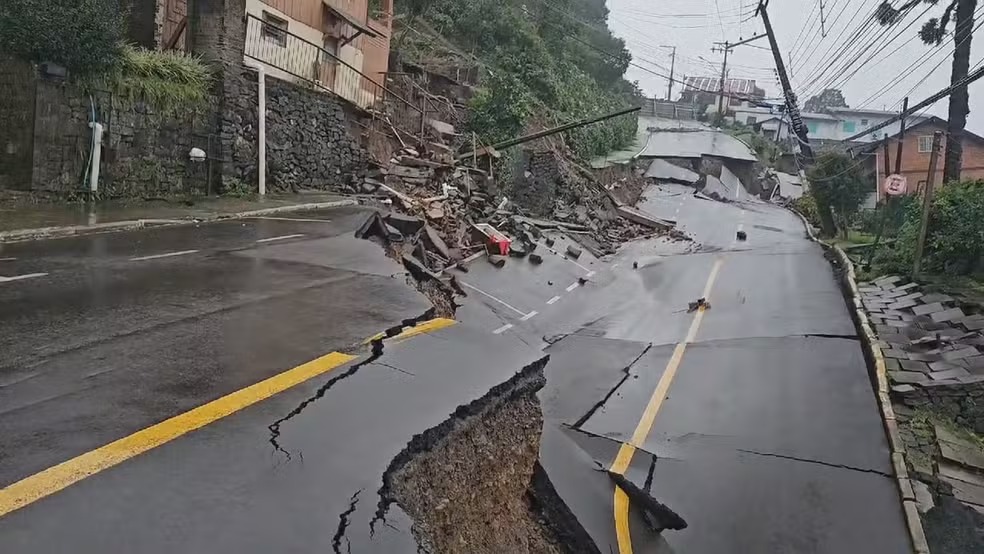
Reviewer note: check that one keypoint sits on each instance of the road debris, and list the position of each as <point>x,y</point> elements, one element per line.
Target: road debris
<point>657,515</point>
<point>700,303</point>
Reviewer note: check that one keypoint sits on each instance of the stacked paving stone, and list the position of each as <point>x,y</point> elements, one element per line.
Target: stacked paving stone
<point>933,354</point>
<point>923,337</point>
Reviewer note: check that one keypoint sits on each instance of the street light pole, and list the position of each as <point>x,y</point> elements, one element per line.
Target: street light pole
<point>669,86</point>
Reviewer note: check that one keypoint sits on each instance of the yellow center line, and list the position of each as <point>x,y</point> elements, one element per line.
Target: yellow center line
<point>627,450</point>
<point>58,477</point>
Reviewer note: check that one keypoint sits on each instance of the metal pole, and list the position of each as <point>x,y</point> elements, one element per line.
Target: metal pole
<point>261,128</point>
<point>927,203</point>
<point>669,86</point>
<point>898,150</point>
<point>724,71</point>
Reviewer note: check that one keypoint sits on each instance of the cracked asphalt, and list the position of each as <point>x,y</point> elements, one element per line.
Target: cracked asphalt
<point>768,438</point>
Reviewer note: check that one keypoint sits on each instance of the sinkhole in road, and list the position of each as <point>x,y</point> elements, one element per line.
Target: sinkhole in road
<point>474,484</point>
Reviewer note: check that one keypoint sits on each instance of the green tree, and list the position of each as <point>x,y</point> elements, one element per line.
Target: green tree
<point>838,185</point>
<point>961,13</point>
<point>828,98</point>
<point>84,36</point>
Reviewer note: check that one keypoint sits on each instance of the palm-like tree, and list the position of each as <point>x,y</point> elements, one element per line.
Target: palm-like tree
<point>961,14</point>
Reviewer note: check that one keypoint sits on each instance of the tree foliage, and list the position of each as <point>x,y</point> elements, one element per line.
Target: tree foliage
<point>549,63</point>
<point>828,98</point>
<point>85,36</point>
<point>933,31</point>
<point>838,185</point>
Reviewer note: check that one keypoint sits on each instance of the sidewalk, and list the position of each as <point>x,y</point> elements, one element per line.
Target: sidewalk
<point>25,221</point>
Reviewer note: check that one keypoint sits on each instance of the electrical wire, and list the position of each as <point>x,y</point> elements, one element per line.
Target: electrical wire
<point>862,25</point>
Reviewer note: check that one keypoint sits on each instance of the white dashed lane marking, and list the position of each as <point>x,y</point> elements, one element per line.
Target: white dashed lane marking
<point>503,329</point>
<point>487,295</point>
<point>167,255</point>
<point>553,300</point>
<point>282,237</point>
<point>21,277</point>
<point>572,286</point>
<point>529,316</point>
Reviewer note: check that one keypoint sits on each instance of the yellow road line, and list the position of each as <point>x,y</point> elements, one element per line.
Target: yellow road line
<point>421,328</point>
<point>627,450</point>
<point>65,474</point>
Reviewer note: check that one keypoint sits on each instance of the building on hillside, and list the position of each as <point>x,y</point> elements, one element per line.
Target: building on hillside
<point>916,148</point>
<point>704,92</point>
<point>339,46</point>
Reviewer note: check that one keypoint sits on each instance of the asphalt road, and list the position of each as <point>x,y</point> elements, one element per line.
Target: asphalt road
<point>767,438</point>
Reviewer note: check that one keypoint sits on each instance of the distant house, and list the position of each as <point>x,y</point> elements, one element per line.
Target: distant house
<point>704,92</point>
<point>916,148</point>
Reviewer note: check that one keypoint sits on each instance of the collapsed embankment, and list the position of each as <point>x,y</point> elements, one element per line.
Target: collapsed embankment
<point>473,483</point>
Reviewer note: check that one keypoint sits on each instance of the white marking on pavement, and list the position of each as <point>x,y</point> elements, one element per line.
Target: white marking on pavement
<point>614,265</point>
<point>7,259</point>
<point>572,286</point>
<point>168,255</point>
<point>504,303</point>
<point>529,316</point>
<point>553,300</point>
<point>592,273</point>
<point>303,219</point>
<point>21,277</point>
<point>502,329</point>
<point>282,237</point>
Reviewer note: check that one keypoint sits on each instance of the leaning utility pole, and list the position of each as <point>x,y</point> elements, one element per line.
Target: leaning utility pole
<point>898,149</point>
<point>724,72</point>
<point>669,86</point>
<point>787,89</point>
<point>927,203</point>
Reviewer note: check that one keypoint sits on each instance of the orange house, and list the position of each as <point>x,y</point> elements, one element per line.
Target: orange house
<point>916,149</point>
<point>341,46</point>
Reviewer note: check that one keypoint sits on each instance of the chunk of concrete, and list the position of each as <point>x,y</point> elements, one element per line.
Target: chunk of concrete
<point>642,218</point>
<point>536,259</point>
<point>663,170</point>
<point>406,224</point>
<point>497,260</point>
<point>573,251</point>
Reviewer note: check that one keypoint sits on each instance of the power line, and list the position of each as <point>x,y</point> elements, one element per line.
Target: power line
<point>806,52</point>
<point>800,40</point>
<point>863,24</point>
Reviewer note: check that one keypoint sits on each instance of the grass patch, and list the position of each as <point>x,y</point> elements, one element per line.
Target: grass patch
<point>169,82</point>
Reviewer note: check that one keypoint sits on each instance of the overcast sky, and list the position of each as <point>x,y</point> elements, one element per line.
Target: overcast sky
<point>694,25</point>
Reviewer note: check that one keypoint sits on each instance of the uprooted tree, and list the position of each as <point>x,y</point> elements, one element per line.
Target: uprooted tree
<point>961,13</point>
<point>838,186</point>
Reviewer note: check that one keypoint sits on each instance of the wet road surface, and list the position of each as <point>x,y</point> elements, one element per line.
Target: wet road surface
<point>767,439</point>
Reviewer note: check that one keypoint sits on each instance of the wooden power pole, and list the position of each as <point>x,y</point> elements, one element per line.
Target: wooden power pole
<point>787,88</point>
<point>927,203</point>
<point>669,86</point>
<point>726,48</point>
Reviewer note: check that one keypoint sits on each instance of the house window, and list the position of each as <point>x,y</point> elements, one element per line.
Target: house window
<point>812,127</point>
<point>274,29</point>
<point>752,120</point>
<point>925,144</point>
<point>848,126</point>
<point>864,122</point>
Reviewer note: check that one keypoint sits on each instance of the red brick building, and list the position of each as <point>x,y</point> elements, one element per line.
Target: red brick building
<point>915,155</point>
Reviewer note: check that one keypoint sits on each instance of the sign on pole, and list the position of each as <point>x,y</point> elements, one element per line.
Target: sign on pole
<point>895,185</point>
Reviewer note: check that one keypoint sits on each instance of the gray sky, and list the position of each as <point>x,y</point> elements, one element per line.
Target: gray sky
<point>694,25</point>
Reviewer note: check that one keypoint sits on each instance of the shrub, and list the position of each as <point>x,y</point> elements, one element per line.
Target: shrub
<point>955,237</point>
<point>84,36</point>
<point>170,82</point>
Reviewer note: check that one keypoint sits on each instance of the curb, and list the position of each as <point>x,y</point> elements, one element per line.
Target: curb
<point>879,377</point>
<point>41,233</point>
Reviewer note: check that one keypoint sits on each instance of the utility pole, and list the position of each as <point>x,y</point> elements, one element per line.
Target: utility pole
<point>787,88</point>
<point>898,150</point>
<point>669,86</point>
<point>927,202</point>
<point>724,72</point>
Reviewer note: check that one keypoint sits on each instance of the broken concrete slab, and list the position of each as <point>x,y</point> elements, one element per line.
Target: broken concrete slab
<point>947,315</point>
<point>642,218</point>
<point>907,377</point>
<point>914,365</point>
<point>573,251</point>
<point>406,224</point>
<point>663,170</point>
<point>434,242</point>
<point>949,374</point>
<point>961,353</point>
<point>936,297</point>
<point>924,497</point>
<point>959,450</point>
<point>927,309</point>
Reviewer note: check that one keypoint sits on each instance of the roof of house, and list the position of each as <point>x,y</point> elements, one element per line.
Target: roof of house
<point>713,84</point>
<point>814,115</point>
<point>931,120</point>
<point>862,111</point>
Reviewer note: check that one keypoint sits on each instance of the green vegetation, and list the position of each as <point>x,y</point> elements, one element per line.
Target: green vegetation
<point>838,187</point>
<point>954,239</point>
<point>546,64</point>
<point>170,82</point>
<point>84,36</point>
